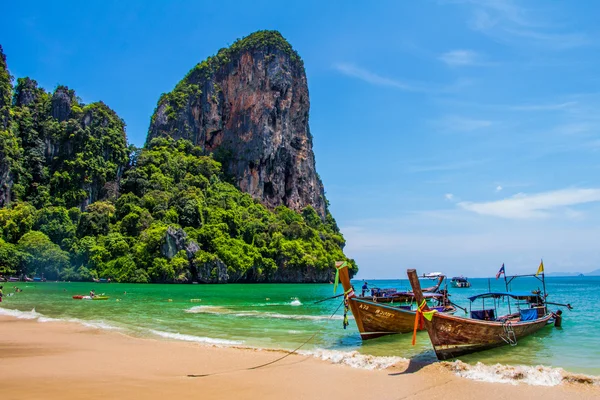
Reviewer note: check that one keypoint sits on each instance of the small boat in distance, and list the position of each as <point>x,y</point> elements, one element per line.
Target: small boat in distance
<point>82,297</point>
<point>453,336</point>
<point>460,282</point>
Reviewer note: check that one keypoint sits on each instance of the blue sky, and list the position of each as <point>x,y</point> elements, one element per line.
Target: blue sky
<point>450,135</point>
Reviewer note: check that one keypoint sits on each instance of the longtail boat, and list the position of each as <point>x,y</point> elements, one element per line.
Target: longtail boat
<point>453,336</point>
<point>393,296</point>
<point>375,319</point>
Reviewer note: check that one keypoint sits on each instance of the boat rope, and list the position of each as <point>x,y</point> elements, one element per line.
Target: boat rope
<point>328,298</point>
<point>289,353</point>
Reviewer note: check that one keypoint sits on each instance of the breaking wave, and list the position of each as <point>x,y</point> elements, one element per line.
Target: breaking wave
<point>20,314</point>
<point>42,318</point>
<point>354,359</point>
<point>208,310</point>
<point>197,339</point>
<point>499,373</point>
<point>217,310</point>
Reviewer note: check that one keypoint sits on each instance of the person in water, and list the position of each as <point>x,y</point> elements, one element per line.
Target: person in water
<point>364,288</point>
<point>92,294</point>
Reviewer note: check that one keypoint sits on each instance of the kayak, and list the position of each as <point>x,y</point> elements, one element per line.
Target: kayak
<point>81,297</point>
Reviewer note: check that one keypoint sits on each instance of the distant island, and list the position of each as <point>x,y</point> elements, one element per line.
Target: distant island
<point>224,190</point>
<point>595,272</point>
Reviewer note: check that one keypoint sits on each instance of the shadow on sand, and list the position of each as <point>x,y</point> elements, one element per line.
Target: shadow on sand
<point>416,363</point>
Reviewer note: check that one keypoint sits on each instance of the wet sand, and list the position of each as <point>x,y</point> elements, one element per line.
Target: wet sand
<point>60,360</point>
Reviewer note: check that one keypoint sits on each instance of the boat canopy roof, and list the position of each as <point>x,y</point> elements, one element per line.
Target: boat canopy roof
<point>514,295</point>
<point>459,278</point>
<point>426,295</point>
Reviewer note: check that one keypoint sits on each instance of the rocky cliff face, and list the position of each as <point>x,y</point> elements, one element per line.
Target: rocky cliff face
<point>8,143</point>
<point>249,106</point>
<point>61,103</point>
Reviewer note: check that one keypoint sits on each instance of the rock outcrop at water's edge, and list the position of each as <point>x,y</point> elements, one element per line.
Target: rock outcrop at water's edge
<point>249,106</point>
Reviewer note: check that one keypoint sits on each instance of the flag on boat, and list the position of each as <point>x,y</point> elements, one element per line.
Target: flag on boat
<point>501,271</point>
<point>540,268</point>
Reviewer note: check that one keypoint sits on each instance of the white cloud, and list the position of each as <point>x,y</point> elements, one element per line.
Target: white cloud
<point>449,196</point>
<point>462,124</point>
<point>522,206</point>
<point>457,58</point>
<point>572,214</point>
<point>379,80</point>
<point>544,106</point>
<point>558,41</point>
<point>498,188</point>
<point>506,21</point>
<point>375,79</point>
<point>450,166</point>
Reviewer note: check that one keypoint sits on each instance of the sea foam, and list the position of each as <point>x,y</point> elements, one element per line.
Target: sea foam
<point>531,375</point>
<point>42,318</point>
<point>20,314</point>
<point>197,339</point>
<point>208,310</point>
<point>354,359</point>
<point>258,314</point>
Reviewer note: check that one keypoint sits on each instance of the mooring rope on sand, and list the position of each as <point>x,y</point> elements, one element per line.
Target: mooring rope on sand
<point>289,353</point>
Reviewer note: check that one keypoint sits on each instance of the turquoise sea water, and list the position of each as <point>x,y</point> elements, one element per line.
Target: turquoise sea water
<point>283,316</point>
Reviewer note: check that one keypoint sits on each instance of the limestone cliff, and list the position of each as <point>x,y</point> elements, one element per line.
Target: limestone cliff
<point>249,106</point>
<point>9,149</point>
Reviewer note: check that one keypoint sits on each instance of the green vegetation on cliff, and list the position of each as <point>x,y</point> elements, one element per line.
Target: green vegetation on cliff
<point>71,152</point>
<point>78,203</point>
<point>169,184</point>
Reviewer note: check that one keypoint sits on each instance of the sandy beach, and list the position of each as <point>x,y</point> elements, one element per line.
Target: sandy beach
<point>60,360</point>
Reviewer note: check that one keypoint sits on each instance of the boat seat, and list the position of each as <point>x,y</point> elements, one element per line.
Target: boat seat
<point>529,314</point>
<point>484,315</point>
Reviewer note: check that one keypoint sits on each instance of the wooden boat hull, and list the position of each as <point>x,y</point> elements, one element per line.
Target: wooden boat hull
<point>375,320</point>
<point>453,336</point>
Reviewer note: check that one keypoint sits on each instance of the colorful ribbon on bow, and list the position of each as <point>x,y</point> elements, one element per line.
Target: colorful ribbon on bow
<point>419,321</point>
<point>337,275</point>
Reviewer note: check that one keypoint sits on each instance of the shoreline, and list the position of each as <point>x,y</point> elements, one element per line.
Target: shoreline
<point>68,360</point>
